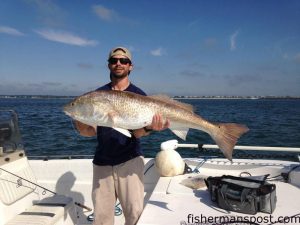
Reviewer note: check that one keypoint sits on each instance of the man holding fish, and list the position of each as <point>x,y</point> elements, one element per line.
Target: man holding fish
<point>118,164</point>
<point>119,113</point>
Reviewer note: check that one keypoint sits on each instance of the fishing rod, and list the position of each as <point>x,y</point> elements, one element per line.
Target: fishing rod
<point>45,189</point>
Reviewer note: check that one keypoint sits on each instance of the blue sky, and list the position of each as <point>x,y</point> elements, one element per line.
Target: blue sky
<point>179,47</point>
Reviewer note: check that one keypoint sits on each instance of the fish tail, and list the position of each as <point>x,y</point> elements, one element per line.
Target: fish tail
<point>227,136</point>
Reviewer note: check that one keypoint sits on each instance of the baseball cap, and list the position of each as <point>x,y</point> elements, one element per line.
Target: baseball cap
<point>120,51</point>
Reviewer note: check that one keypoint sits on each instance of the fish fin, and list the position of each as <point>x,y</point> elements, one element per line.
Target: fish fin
<point>227,136</point>
<point>112,117</point>
<point>123,131</point>
<point>167,99</point>
<point>182,132</point>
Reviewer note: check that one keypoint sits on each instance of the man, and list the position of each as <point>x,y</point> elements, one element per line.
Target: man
<point>118,162</point>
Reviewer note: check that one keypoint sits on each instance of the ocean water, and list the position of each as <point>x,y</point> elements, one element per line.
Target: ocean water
<point>47,131</point>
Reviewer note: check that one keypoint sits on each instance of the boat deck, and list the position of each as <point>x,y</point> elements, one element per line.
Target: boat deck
<point>167,201</point>
<point>173,203</point>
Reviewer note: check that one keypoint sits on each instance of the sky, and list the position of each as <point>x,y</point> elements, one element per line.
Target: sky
<point>179,47</point>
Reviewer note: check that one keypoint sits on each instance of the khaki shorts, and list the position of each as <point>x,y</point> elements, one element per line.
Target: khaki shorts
<point>125,182</point>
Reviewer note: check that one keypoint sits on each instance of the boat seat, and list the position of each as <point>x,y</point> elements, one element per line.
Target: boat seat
<point>49,211</point>
<point>20,202</point>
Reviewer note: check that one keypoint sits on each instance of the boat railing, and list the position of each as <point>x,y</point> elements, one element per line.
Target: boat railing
<point>51,157</point>
<point>173,144</point>
<point>242,147</point>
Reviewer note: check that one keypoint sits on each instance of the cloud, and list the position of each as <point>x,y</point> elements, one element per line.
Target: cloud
<point>210,43</point>
<point>241,79</point>
<point>105,13</point>
<point>40,88</point>
<point>292,57</point>
<point>10,31</point>
<point>65,37</point>
<point>85,65</point>
<point>297,58</point>
<point>233,40</point>
<point>193,23</point>
<point>157,52</point>
<point>48,12</point>
<point>55,84</point>
<point>191,73</point>
<point>285,56</point>
<point>110,15</point>
<point>43,86</point>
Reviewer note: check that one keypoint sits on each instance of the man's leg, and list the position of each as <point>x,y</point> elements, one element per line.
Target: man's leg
<point>103,195</point>
<point>130,188</point>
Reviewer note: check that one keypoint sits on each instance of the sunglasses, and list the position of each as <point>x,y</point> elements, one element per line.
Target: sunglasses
<point>123,61</point>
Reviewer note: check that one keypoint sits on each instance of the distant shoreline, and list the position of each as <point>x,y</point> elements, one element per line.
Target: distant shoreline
<point>35,97</point>
<point>174,97</point>
<point>239,97</point>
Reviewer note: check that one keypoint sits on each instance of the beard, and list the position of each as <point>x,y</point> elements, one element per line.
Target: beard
<point>118,76</point>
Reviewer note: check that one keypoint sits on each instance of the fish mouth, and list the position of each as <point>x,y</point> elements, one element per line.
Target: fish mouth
<point>66,111</point>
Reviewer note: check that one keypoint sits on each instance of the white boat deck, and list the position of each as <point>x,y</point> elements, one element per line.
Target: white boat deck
<point>166,200</point>
<point>173,203</point>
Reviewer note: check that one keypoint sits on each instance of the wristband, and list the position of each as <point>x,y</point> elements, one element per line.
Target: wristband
<point>147,129</point>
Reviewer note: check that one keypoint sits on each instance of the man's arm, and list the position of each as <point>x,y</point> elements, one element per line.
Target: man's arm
<point>85,130</point>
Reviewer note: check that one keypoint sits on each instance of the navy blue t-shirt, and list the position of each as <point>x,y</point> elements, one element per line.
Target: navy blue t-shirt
<point>113,147</point>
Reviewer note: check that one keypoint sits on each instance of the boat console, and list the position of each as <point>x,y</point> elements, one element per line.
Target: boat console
<point>10,137</point>
<point>20,197</point>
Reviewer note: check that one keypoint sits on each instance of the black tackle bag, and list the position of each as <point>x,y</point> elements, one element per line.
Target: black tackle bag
<point>242,194</point>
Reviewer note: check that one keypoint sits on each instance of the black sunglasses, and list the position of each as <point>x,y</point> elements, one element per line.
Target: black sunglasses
<point>123,61</point>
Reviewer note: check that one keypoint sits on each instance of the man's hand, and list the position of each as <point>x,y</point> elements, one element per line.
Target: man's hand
<point>158,123</point>
<point>85,130</point>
